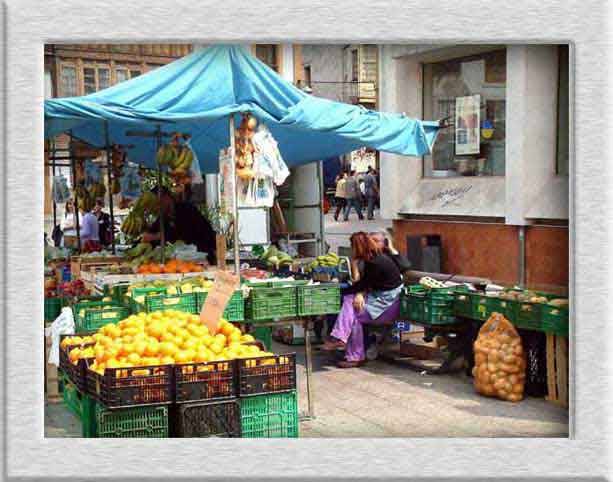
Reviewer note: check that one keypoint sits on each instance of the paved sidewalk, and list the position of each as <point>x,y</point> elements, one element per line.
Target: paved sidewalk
<point>385,400</point>
<point>337,233</point>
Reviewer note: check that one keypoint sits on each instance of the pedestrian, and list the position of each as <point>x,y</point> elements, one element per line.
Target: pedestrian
<point>90,239</point>
<point>340,194</point>
<point>372,191</point>
<point>353,196</point>
<point>104,223</point>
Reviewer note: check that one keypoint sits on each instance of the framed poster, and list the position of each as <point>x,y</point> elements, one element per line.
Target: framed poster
<point>467,121</point>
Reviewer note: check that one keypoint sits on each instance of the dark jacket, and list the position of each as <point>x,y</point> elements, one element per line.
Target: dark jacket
<point>380,274</point>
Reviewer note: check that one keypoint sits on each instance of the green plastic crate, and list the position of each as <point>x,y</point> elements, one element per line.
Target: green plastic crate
<point>184,302</point>
<point>462,304</point>
<point>270,416</point>
<point>88,417</point>
<point>72,397</point>
<point>136,306</point>
<point>555,320</point>
<point>138,422</point>
<point>235,311</point>
<point>53,308</point>
<point>428,306</point>
<point>271,303</point>
<point>95,318</point>
<point>263,334</point>
<point>322,299</point>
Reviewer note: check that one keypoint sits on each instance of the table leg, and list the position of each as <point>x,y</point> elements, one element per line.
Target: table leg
<point>309,371</point>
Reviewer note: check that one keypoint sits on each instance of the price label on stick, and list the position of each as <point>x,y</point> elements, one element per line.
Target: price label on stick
<point>217,299</point>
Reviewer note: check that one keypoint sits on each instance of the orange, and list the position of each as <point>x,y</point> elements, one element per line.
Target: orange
<point>181,357</point>
<point>155,329</point>
<point>191,354</point>
<point>156,268</point>
<point>167,360</point>
<point>150,361</point>
<point>152,348</point>
<point>139,347</point>
<point>133,358</point>
<point>112,363</point>
<point>235,336</point>
<point>73,356</point>
<point>247,339</point>
<point>99,354</point>
<point>167,336</point>
<point>202,356</point>
<point>128,348</point>
<point>189,343</point>
<point>227,329</point>
<point>216,348</point>
<point>168,349</point>
<point>221,339</point>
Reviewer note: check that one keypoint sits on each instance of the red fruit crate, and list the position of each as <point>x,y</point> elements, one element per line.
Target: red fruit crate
<point>75,373</point>
<point>134,386</point>
<point>195,382</point>
<point>268,374</point>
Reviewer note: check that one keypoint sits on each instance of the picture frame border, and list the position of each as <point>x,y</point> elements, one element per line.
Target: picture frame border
<point>29,24</point>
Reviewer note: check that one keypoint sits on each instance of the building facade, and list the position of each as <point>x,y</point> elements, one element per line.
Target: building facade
<point>496,187</point>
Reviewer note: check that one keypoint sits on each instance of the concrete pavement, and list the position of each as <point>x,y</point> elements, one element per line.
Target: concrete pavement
<point>337,233</point>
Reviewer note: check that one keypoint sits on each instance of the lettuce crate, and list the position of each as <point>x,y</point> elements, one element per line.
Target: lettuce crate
<point>271,303</point>
<point>235,311</point>
<point>321,299</point>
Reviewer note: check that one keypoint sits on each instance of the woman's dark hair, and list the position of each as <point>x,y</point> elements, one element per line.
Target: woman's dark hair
<point>363,247</point>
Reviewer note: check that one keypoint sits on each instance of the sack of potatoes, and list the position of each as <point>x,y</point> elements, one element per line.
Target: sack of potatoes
<point>500,363</point>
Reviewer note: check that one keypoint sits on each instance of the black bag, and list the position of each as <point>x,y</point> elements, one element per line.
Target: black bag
<point>56,235</point>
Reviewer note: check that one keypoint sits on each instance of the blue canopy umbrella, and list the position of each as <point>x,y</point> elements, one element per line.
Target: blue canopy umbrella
<point>196,94</point>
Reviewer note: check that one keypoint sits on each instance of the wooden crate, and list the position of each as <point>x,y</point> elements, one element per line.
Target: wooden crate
<point>557,369</point>
<point>79,264</point>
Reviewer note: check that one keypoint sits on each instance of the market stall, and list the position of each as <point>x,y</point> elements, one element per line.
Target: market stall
<point>217,110</point>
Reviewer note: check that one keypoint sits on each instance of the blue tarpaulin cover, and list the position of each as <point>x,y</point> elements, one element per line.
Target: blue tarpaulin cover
<point>196,95</point>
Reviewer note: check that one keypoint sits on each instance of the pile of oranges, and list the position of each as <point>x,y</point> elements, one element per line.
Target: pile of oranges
<point>161,338</point>
<point>171,266</point>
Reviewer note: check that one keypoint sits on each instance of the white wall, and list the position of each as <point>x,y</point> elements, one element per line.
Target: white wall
<point>326,63</point>
<point>530,189</point>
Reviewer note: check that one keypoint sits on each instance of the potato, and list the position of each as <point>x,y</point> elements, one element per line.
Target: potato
<point>474,371</point>
<point>492,367</point>
<point>500,384</point>
<point>514,398</point>
<point>518,388</point>
<point>505,338</point>
<point>513,378</point>
<point>495,344</point>
<point>518,350</point>
<point>502,394</point>
<point>510,359</point>
<point>493,356</point>
<point>487,390</point>
<point>480,358</point>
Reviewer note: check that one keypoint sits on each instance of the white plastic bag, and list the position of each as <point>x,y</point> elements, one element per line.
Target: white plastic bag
<point>63,325</point>
<point>195,172</point>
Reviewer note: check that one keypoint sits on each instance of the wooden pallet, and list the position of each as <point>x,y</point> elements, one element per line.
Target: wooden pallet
<point>557,369</point>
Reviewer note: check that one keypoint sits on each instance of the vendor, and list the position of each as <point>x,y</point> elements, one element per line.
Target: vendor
<point>374,299</point>
<point>383,241</point>
<point>182,221</point>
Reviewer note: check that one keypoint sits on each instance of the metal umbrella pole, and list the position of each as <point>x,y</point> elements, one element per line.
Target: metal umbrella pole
<point>237,264</point>
<point>158,144</point>
<point>76,197</point>
<point>110,182</point>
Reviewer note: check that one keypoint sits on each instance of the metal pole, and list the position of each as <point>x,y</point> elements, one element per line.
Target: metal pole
<point>52,178</point>
<point>158,144</point>
<point>522,256</point>
<point>237,263</point>
<point>76,197</point>
<point>110,182</point>
<point>308,353</point>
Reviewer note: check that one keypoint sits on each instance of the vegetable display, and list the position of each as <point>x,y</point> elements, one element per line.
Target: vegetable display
<point>500,365</point>
<point>275,258</point>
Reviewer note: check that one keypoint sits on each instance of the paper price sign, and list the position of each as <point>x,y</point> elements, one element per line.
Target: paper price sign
<point>217,299</point>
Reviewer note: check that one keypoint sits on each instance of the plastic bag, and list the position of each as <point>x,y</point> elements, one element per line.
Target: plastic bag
<point>130,183</point>
<point>195,172</point>
<point>63,325</point>
<point>500,363</point>
<point>267,157</point>
<point>59,189</point>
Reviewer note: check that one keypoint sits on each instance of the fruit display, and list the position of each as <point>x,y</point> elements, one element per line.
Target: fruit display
<point>87,195</point>
<point>275,258</point>
<point>244,147</point>
<point>253,274</point>
<point>559,302</point>
<point>500,364</point>
<point>330,260</point>
<point>135,223</point>
<point>171,266</point>
<point>522,296</point>
<point>178,158</point>
<point>161,338</point>
<point>72,289</point>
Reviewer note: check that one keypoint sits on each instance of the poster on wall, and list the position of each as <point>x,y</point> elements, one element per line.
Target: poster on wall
<point>467,122</point>
<point>362,159</point>
<point>226,182</point>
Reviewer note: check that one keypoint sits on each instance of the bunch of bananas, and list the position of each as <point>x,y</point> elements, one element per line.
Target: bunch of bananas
<point>177,157</point>
<point>84,198</point>
<point>329,260</point>
<point>135,222</point>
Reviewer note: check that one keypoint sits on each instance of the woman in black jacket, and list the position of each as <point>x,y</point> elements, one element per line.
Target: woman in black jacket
<point>374,298</point>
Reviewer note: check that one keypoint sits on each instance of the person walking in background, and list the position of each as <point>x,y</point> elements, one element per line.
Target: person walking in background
<point>104,223</point>
<point>90,239</point>
<point>372,191</point>
<point>353,196</point>
<point>340,194</point>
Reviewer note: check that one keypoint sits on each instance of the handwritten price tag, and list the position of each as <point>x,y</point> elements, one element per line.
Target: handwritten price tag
<point>216,301</point>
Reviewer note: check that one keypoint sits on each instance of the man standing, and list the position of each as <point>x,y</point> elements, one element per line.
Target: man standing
<point>104,223</point>
<point>352,191</point>
<point>340,194</point>
<point>372,191</point>
<point>90,240</point>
